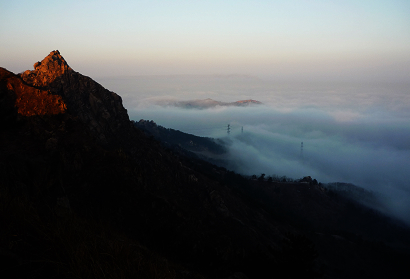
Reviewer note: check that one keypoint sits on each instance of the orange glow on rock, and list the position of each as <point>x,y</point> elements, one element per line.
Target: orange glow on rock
<point>30,100</point>
<point>38,102</point>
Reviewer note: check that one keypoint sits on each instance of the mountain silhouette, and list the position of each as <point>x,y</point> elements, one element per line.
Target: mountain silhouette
<point>85,193</point>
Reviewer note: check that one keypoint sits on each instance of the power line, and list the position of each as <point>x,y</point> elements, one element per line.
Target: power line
<point>210,128</point>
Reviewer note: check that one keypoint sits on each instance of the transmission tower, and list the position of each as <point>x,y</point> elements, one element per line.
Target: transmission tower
<point>301,150</point>
<point>228,130</point>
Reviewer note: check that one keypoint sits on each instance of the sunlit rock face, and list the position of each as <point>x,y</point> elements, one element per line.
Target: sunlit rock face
<point>29,100</point>
<point>100,109</point>
<point>46,71</point>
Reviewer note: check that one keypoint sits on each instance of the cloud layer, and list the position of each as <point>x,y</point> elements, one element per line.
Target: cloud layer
<point>357,133</point>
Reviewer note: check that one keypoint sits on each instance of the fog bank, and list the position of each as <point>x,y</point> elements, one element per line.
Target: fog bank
<point>356,133</point>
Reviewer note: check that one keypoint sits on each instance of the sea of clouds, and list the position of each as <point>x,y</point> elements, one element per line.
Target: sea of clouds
<point>351,132</point>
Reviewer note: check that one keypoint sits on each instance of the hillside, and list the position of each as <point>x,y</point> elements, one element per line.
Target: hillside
<point>208,149</point>
<point>86,194</point>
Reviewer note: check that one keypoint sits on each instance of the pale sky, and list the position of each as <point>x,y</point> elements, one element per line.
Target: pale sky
<point>300,39</point>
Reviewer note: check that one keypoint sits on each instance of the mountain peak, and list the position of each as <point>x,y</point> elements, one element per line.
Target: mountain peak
<point>46,71</point>
<point>53,87</point>
<point>53,60</point>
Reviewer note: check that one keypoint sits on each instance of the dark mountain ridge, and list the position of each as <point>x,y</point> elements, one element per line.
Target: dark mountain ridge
<point>89,160</point>
<point>86,194</point>
<point>208,149</point>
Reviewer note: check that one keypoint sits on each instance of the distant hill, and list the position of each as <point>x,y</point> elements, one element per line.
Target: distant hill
<point>210,103</point>
<point>171,138</point>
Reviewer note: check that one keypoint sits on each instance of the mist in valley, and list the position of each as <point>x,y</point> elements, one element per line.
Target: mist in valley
<point>351,132</point>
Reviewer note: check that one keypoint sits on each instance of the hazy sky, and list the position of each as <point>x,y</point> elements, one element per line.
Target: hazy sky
<point>335,40</point>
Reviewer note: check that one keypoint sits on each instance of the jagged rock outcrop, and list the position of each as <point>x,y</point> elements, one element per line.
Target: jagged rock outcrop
<point>100,109</point>
<point>45,72</point>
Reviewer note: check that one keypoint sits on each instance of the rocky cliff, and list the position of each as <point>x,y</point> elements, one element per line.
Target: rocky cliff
<point>100,109</point>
